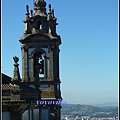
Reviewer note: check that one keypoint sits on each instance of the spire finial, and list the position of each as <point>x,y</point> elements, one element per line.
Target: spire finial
<point>16,59</point>
<point>39,7</point>
<point>49,10</point>
<point>31,12</point>
<point>53,13</point>
<point>49,7</point>
<point>39,0</point>
<point>27,11</point>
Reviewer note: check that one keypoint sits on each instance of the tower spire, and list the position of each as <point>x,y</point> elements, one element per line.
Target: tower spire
<point>16,74</point>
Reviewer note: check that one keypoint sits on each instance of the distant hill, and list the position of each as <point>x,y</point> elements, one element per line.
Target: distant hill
<point>88,110</point>
<point>108,104</point>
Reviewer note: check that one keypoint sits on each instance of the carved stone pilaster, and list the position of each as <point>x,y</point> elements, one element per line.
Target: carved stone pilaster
<point>25,62</point>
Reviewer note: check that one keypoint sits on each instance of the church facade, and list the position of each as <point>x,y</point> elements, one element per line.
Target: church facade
<point>36,95</point>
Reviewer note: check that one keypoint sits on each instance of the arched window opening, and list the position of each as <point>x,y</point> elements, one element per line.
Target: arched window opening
<point>40,27</point>
<point>39,64</point>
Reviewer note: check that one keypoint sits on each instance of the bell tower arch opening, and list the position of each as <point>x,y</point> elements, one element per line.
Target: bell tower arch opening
<point>39,25</point>
<point>39,64</point>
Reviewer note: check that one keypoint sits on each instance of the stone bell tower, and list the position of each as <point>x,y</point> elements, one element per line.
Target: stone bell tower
<point>40,57</point>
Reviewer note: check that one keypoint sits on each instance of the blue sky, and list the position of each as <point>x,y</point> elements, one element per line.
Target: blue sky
<point>89,49</point>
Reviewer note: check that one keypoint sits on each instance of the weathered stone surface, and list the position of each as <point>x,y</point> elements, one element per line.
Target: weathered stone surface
<point>40,65</point>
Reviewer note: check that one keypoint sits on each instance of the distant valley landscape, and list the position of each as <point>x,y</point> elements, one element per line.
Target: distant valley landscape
<point>100,110</point>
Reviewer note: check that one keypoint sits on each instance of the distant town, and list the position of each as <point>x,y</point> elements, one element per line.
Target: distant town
<point>68,117</point>
<point>88,112</point>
